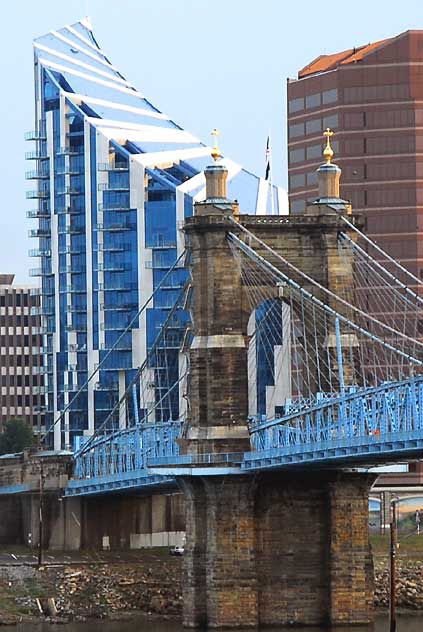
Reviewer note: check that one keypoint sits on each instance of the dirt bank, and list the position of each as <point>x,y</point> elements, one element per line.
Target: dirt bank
<point>151,585</point>
<point>148,583</point>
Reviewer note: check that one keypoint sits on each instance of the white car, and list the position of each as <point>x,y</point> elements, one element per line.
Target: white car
<point>177,550</point>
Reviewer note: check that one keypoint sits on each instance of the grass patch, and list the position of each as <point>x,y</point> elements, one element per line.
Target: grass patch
<point>412,544</point>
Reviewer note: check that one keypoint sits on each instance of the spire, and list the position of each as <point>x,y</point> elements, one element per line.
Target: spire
<point>328,177</point>
<point>215,153</point>
<point>216,174</point>
<point>328,174</point>
<point>328,151</point>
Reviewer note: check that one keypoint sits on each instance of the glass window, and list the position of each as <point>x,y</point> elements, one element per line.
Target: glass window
<point>314,151</point>
<point>312,178</point>
<point>296,130</point>
<point>294,105</point>
<point>296,155</point>
<point>297,181</point>
<point>329,96</point>
<point>354,120</point>
<point>297,206</point>
<point>313,100</point>
<point>330,121</point>
<point>313,126</point>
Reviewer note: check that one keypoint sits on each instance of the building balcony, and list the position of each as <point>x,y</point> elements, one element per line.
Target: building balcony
<point>110,386</point>
<point>123,226</point>
<point>71,388</point>
<point>70,171</point>
<point>113,267</point>
<point>158,264</point>
<point>42,390</point>
<point>118,306</point>
<point>117,287</point>
<point>104,186</point>
<point>40,272</point>
<point>71,250</point>
<point>161,243</point>
<point>36,155</point>
<point>121,347</point>
<point>69,151</point>
<point>71,289</point>
<point>113,247</point>
<point>44,310</point>
<point>77,328</point>
<point>46,350</point>
<point>37,213</point>
<point>39,331</point>
<point>71,269</point>
<point>119,207</point>
<point>69,191</point>
<point>39,232</point>
<point>112,327</point>
<point>36,175</point>
<point>39,252</point>
<point>38,134</point>
<point>72,309</point>
<point>106,166</point>
<point>67,210</point>
<point>72,230</point>
<point>37,194</point>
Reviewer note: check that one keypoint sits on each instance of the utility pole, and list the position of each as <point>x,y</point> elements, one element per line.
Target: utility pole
<point>40,518</point>
<point>393,553</point>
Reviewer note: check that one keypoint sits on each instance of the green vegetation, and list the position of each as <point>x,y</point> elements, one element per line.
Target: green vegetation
<point>16,436</point>
<point>408,544</point>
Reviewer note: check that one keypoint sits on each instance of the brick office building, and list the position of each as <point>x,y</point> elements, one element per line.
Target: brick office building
<point>372,98</point>
<point>20,358</point>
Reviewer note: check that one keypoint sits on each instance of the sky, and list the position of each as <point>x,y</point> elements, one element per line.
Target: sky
<point>205,63</point>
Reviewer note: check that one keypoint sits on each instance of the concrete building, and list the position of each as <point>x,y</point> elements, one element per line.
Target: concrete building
<point>20,341</point>
<point>115,179</point>
<point>372,98</point>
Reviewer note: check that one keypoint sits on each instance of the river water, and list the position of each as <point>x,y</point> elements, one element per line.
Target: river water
<point>406,623</point>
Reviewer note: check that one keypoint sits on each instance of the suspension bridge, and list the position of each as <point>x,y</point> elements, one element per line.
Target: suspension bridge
<point>300,367</point>
<point>341,370</point>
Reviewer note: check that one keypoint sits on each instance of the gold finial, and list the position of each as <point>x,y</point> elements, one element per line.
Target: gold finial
<point>215,151</point>
<point>328,151</point>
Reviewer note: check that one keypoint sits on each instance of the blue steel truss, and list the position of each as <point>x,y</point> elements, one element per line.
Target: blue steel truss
<point>368,426</point>
<point>361,428</point>
<point>119,461</point>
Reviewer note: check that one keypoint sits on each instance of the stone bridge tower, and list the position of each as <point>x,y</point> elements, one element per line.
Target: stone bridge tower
<point>269,549</point>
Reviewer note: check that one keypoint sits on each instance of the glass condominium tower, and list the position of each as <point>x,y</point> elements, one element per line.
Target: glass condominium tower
<point>114,179</point>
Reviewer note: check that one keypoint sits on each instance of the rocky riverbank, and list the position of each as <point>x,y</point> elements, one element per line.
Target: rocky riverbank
<point>115,590</point>
<point>149,584</point>
<point>409,584</point>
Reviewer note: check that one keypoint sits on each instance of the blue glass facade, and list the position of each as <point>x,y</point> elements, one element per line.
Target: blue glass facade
<point>115,179</point>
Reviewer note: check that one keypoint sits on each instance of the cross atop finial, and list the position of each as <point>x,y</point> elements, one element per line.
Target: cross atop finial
<point>328,151</point>
<point>215,151</point>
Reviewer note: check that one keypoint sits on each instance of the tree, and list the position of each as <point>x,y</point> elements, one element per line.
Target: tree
<point>16,436</point>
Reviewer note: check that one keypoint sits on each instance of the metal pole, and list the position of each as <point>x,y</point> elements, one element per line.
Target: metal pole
<point>40,519</point>
<point>134,396</point>
<point>393,553</point>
